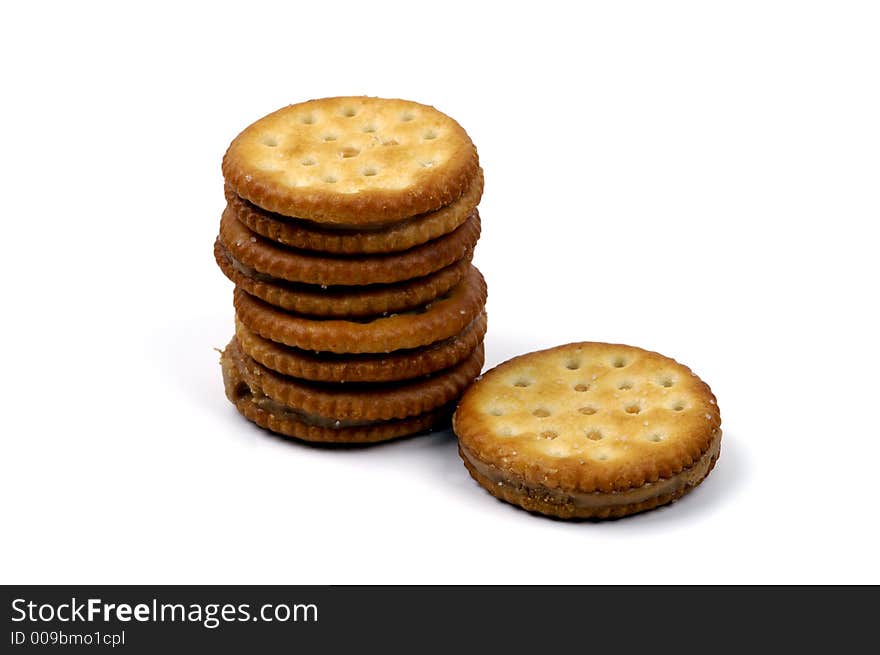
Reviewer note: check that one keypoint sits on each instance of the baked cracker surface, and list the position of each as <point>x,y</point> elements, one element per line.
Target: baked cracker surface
<point>354,160</point>
<point>589,418</point>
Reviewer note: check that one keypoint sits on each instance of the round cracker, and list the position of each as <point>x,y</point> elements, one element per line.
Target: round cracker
<point>275,260</point>
<point>294,424</point>
<point>341,302</point>
<point>589,430</point>
<point>442,318</point>
<point>391,367</point>
<point>358,402</point>
<point>407,234</point>
<point>353,160</point>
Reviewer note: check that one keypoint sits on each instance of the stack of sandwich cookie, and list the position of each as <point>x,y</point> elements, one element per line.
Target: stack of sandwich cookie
<point>349,230</point>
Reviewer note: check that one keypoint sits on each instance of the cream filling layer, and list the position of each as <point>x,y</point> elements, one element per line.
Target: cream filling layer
<point>689,477</point>
<point>277,409</point>
<point>254,274</point>
<point>247,271</point>
<point>345,229</point>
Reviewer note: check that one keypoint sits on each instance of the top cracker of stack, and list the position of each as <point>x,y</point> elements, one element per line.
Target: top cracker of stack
<point>348,232</point>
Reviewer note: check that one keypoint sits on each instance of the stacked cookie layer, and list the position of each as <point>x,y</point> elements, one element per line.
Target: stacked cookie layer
<point>348,231</point>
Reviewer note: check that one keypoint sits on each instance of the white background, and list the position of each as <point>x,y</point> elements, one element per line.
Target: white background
<point>691,177</point>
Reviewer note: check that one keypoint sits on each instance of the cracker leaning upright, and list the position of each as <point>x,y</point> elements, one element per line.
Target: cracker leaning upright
<point>354,161</point>
<point>589,430</point>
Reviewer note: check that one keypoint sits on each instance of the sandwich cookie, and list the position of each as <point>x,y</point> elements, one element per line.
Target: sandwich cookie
<point>331,238</point>
<point>263,411</point>
<point>341,301</point>
<point>390,367</point>
<point>357,402</point>
<point>353,161</point>
<point>589,430</point>
<point>273,259</point>
<point>440,319</point>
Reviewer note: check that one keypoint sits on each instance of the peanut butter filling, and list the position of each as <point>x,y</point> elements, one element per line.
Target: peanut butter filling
<point>688,477</point>
<point>248,271</point>
<point>282,411</point>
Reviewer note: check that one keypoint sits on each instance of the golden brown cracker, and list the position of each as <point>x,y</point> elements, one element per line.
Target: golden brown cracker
<point>308,267</point>
<point>390,367</point>
<point>306,235</point>
<point>442,318</point>
<point>341,302</point>
<point>352,160</point>
<point>358,402</point>
<point>257,408</point>
<point>590,426</point>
